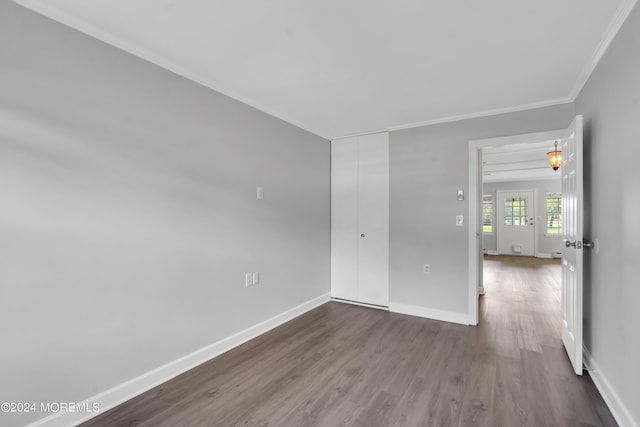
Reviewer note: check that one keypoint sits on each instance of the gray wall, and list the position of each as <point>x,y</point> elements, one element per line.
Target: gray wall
<point>610,103</point>
<point>547,245</point>
<point>427,166</point>
<point>129,214</point>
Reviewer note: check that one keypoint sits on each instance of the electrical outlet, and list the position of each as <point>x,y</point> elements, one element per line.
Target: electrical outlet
<point>426,268</point>
<point>459,220</point>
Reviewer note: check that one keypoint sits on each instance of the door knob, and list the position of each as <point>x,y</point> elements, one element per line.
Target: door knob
<point>362,235</point>
<point>569,243</point>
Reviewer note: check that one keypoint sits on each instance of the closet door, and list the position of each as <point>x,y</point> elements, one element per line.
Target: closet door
<point>360,219</point>
<point>344,219</point>
<point>373,219</point>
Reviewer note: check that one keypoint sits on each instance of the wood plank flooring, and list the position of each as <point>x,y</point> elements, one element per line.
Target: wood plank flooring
<point>345,365</point>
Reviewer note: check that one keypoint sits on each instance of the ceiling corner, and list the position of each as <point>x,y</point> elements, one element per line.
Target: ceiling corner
<point>616,23</point>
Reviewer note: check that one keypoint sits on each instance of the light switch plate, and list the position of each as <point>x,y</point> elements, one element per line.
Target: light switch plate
<point>460,195</point>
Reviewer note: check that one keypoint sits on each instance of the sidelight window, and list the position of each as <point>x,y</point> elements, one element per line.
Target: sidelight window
<point>554,214</point>
<point>487,214</point>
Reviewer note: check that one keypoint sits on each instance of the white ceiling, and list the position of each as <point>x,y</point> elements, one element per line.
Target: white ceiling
<point>343,67</point>
<point>518,162</point>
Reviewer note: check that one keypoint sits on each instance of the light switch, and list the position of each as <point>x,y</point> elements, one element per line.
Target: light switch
<point>256,277</point>
<point>260,193</point>
<point>460,195</point>
<point>459,220</point>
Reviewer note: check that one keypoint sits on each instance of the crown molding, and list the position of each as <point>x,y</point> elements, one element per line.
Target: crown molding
<point>484,113</point>
<point>359,134</point>
<point>614,26</point>
<point>49,11</point>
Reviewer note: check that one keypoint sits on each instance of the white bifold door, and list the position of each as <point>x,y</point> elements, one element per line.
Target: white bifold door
<point>360,219</point>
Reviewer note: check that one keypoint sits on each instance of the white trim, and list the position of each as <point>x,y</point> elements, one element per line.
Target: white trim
<point>484,113</point>
<point>474,198</point>
<point>612,30</point>
<point>361,304</point>
<point>611,398</point>
<point>544,255</point>
<point>111,398</point>
<point>429,313</point>
<point>491,253</point>
<point>359,134</point>
<point>48,10</point>
<point>501,141</point>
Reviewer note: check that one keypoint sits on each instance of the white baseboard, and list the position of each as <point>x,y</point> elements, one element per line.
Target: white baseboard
<point>549,255</point>
<point>616,406</point>
<point>132,388</point>
<point>362,304</point>
<point>429,313</point>
<point>491,253</point>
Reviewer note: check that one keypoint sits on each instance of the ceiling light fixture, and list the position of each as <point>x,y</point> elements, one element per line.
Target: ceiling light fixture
<point>555,157</point>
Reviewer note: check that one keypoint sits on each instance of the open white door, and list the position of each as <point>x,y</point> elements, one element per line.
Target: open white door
<point>572,259</point>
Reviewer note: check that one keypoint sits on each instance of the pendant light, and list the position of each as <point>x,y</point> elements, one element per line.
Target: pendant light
<point>555,157</point>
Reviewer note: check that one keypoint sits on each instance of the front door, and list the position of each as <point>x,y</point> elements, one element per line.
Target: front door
<point>516,222</point>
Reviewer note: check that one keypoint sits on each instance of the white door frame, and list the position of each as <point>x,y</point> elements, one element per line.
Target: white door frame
<point>475,204</point>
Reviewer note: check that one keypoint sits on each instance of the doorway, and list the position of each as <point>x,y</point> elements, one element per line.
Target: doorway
<point>572,228</point>
<point>502,149</point>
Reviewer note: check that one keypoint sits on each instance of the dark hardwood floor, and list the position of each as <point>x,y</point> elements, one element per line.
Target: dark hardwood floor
<point>345,365</point>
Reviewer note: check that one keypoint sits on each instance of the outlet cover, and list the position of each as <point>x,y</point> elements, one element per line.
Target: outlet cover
<point>426,268</point>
